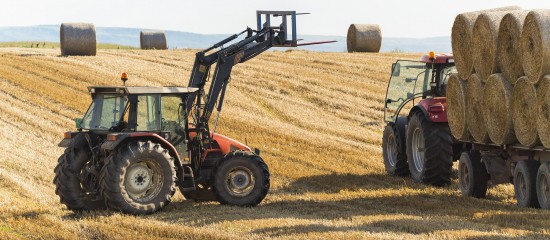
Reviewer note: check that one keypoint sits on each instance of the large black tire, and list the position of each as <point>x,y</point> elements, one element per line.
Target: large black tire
<point>138,178</point>
<point>472,175</point>
<point>525,178</point>
<point>201,194</point>
<point>429,151</point>
<point>241,179</point>
<point>72,181</point>
<point>393,148</point>
<point>543,185</point>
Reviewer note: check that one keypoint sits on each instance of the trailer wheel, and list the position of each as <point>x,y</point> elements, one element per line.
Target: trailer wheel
<point>241,179</point>
<point>525,177</point>
<point>138,178</point>
<point>472,175</point>
<point>543,185</point>
<point>429,151</point>
<point>393,148</point>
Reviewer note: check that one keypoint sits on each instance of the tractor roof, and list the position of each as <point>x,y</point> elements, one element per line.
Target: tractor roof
<point>141,90</point>
<point>439,58</point>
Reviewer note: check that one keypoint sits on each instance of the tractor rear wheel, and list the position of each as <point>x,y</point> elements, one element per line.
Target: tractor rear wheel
<point>74,180</point>
<point>138,178</point>
<point>472,175</point>
<point>241,179</point>
<point>525,178</point>
<point>393,148</point>
<point>429,151</point>
<point>543,185</point>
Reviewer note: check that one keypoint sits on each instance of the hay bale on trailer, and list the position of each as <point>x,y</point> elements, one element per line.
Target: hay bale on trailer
<point>364,38</point>
<point>535,45</point>
<point>484,39</point>
<point>461,39</point>
<point>153,40</point>
<point>78,39</point>
<point>474,109</point>
<point>456,107</point>
<point>524,109</point>
<point>497,101</point>
<point>509,45</point>
<point>543,111</point>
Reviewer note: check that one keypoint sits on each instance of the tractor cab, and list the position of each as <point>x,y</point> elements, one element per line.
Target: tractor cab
<point>117,111</point>
<point>410,80</point>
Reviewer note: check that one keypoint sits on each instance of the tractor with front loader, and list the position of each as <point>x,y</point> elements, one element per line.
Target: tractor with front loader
<point>136,145</point>
<point>417,140</point>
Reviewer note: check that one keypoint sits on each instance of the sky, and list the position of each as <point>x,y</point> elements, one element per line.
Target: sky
<point>404,18</point>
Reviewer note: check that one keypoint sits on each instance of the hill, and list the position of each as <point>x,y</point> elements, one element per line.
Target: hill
<point>177,39</point>
<point>317,117</point>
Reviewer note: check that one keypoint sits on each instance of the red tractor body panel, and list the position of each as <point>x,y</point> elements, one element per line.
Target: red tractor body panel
<point>226,144</point>
<point>435,108</point>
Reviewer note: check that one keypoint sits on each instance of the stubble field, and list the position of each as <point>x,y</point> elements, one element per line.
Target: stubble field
<point>317,117</point>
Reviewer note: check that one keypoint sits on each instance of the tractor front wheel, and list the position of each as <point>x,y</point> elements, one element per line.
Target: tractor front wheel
<point>393,148</point>
<point>241,179</point>
<point>138,178</point>
<point>429,151</point>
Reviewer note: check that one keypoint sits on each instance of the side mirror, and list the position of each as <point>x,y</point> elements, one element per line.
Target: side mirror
<point>78,123</point>
<point>396,69</point>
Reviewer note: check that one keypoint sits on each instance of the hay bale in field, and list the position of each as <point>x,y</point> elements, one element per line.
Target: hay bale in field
<point>364,38</point>
<point>509,45</point>
<point>484,39</point>
<point>456,107</point>
<point>535,44</point>
<point>78,39</point>
<point>524,109</point>
<point>543,111</point>
<point>474,109</point>
<point>497,100</point>
<point>153,40</point>
<point>461,39</point>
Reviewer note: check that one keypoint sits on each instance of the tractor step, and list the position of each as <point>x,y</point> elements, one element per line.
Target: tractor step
<point>188,181</point>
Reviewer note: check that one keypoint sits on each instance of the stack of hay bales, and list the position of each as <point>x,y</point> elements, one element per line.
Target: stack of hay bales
<point>78,39</point>
<point>364,38</point>
<point>153,40</point>
<point>502,92</point>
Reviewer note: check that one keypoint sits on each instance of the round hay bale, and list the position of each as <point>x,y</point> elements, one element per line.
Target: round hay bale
<point>461,39</point>
<point>474,109</point>
<point>524,109</point>
<point>509,45</point>
<point>497,100</point>
<point>364,38</point>
<point>456,107</point>
<point>484,38</point>
<point>543,111</point>
<point>535,45</point>
<point>153,40</point>
<point>77,39</point>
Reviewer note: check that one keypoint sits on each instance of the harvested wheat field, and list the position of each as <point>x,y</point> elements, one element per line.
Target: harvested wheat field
<point>317,117</point>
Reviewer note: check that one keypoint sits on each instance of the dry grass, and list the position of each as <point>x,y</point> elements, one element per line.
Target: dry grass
<point>316,116</point>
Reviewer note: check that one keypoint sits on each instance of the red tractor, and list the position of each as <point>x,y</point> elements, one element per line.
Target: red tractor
<point>417,139</point>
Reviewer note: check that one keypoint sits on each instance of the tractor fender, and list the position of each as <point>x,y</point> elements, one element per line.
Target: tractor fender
<point>72,139</point>
<point>123,138</point>
<point>435,109</point>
